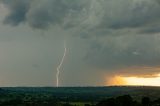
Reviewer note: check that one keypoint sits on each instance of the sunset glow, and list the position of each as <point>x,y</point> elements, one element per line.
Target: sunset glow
<point>135,81</point>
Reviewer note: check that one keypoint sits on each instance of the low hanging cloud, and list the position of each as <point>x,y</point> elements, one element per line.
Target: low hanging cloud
<point>121,33</point>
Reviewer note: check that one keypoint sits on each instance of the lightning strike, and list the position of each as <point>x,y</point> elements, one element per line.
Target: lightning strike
<point>59,66</point>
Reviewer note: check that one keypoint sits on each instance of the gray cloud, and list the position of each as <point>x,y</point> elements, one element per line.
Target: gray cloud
<point>41,14</point>
<point>18,10</point>
<point>119,33</point>
<point>125,51</point>
<point>88,13</point>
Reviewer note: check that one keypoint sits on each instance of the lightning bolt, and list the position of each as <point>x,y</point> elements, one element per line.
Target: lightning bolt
<point>59,66</point>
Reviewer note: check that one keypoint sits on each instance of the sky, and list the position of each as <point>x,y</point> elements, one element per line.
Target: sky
<point>108,42</point>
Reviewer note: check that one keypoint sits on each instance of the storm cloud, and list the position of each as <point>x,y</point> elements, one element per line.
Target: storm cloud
<point>89,13</point>
<point>118,34</point>
<point>41,14</point>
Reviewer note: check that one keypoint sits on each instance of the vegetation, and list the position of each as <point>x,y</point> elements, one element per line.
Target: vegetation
<point>80,96</point>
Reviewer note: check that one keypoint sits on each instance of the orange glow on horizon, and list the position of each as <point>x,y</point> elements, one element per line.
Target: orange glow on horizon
<point>117,80</point>
<point>134,81</point>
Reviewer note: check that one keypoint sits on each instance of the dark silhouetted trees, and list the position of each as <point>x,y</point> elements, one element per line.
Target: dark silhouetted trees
<point>146,101</point>
<point>108,102</point>
<point>126,100</point>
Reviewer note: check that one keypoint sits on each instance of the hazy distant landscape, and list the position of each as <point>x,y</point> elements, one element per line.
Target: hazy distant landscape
<point>68,96</point>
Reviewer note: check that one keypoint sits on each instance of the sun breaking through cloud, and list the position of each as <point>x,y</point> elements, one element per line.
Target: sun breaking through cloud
<point>134,81</point>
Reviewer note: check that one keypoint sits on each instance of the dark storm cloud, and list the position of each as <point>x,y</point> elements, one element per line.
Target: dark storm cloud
<point>119,32</point>
<point>84,14</point>
<point>18,10</point>
<point>135,14</point>
<point>45,14</point>
<point>40,14</point>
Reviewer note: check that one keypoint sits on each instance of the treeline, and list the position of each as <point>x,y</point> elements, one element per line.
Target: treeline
<point>127,100</point>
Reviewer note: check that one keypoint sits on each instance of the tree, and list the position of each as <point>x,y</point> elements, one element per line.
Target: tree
<point>108,102</point>
<point>145,101</point>
<point>125,100</point>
